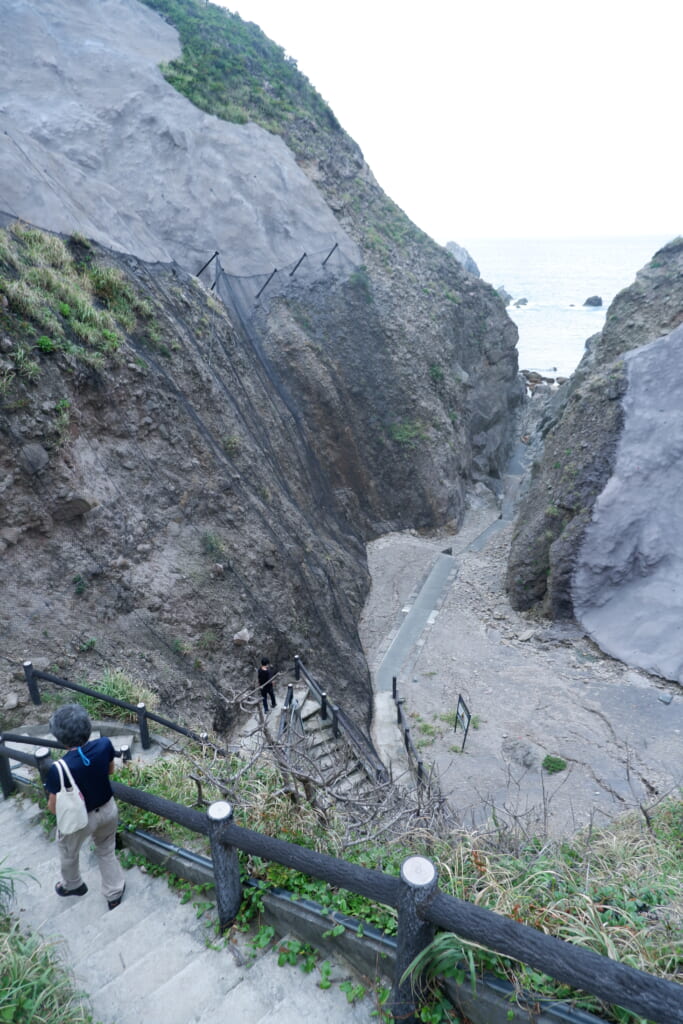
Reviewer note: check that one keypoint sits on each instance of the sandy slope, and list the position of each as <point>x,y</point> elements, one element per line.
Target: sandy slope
<point>535,689</point>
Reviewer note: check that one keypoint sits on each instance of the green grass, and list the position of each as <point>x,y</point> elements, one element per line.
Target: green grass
<point>35,986</point>
<point>229,67</point>
<point>122,687</point>
<point>408,433</point>
<point>553,764</point>
<point>61,308</point>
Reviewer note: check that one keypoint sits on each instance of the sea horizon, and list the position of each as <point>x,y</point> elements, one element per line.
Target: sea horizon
<point>555,276</point>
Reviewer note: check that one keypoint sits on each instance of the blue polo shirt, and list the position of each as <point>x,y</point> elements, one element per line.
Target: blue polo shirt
<point>92,779</point>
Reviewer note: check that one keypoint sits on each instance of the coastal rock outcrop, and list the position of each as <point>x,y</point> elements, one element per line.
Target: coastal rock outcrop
<point>463,257</point>
<point>596,535</point>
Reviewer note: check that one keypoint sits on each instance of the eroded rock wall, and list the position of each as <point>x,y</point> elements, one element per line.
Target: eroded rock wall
<point>155,506</point>
<point>627,588</point>
<point>581,544</point>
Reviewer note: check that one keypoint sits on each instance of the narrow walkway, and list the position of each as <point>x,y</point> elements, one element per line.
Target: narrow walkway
<point>421,614</point>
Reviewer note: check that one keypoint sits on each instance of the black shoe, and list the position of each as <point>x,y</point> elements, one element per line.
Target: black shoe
<point>80,891</point>
<point>115,902</point>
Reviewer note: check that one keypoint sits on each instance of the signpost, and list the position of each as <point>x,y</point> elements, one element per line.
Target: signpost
<point>463,716</point>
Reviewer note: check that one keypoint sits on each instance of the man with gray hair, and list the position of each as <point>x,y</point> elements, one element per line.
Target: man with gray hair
<point>91,763</point>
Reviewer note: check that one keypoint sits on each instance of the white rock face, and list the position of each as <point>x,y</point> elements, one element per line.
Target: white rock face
<point>94,140</point>
<point>628,585</point>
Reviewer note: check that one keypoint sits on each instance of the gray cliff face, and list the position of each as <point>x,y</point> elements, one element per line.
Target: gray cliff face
<point>596,535</point>
<point>96,141</point>
<point>156,506</point>
<point>353,397</point>
<point>627,588</point>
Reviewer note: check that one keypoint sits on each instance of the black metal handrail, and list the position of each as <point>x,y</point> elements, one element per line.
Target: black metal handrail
<point>360,743</point>
<point>414,760</point>
<point>657,999</point>
<point>143,715</point>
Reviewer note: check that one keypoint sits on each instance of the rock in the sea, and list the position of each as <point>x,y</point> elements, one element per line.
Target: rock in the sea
<point>593,300</point>
<point>504,294</point>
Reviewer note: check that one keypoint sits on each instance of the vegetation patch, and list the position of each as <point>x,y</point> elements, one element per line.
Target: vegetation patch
<point>409,433</point>
<point>35,986</point>
<point>56,306</point>
<point>229,67</point>
<point>553,764</point>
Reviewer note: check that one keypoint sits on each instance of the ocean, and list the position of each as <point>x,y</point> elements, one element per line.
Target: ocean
<point>556,276</point>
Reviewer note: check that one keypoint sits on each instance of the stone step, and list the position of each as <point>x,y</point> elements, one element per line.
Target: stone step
<point>148,959</point>
<point>202,984</point>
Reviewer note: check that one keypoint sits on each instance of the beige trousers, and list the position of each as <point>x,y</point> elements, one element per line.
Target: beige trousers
<point>102,827</point>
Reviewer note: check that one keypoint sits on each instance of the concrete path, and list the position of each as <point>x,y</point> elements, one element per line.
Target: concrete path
<point>406,641</point>
<point>418,616</point>
<point>153,958</point>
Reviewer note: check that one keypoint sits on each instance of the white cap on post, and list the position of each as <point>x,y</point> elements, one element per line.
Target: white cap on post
<point>220,811</point>
<point>418,871</point>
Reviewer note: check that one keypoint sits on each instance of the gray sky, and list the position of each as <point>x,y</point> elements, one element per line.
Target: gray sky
<point>509,118</point>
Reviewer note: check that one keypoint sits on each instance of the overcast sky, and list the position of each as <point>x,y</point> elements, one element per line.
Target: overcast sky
<point>509,118</point>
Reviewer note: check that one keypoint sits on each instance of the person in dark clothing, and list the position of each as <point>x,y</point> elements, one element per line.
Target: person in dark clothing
<point>91,763</point>
<point>265,676</point>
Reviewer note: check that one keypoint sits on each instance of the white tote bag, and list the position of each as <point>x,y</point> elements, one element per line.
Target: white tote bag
<point>72,814</point>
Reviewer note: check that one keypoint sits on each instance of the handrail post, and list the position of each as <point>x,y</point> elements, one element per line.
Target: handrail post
<point>289,699</point>
<point>418,887</point>
<point>399,712</point>
<point>323,704</point>
<point>7,783</point>
<point>406,739</point>
<point>226,868</point>
<point>335,721</point>
<point>43,756</point>
<point>143,727</point>
<point>394,690</point>
<point>297,667</point>
<point>32,683</point>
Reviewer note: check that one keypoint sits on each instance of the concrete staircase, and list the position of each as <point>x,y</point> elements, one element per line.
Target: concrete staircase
<point>330,757</point>
<point>152,958</point>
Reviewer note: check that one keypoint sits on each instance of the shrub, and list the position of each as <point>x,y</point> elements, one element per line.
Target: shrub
<point>553,764</point>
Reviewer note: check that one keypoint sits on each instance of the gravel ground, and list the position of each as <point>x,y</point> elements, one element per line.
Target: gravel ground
<point>533,688</point>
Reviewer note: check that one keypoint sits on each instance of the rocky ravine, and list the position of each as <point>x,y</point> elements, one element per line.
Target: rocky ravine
<point>273,438</point>
<point>598,534</point>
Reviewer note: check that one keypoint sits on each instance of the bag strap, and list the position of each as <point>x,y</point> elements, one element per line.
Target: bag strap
<point>63,769</point>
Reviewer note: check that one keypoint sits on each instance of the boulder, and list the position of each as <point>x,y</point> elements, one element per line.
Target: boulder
<point>33,458</point>
<point>593,300</point>
<point>242,637</point>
